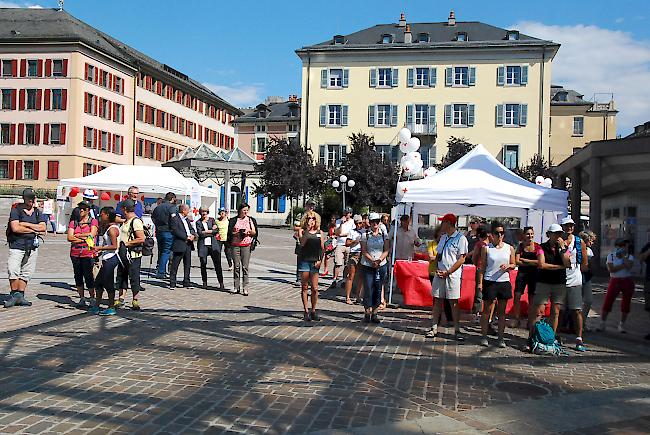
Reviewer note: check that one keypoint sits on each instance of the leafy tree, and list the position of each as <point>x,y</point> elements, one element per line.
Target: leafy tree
<point>375,178</point>
<point>535,167</point>
<point>457,147</point>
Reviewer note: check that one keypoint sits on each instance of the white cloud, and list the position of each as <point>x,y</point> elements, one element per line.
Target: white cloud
<point>4,4</point>
<point>596,60</point>
<point>238,95</point>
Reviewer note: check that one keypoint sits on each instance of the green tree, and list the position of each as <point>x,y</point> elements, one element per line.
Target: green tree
<point>457,147</point>
<point>535,167</point>
<point>375,178</point>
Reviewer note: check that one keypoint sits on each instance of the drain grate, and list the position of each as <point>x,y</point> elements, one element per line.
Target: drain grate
<point>521,389</point>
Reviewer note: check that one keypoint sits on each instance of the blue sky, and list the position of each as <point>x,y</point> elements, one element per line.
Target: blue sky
<point>244,50</point>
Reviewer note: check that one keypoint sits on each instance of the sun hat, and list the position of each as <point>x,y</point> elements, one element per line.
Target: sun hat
<point>554,228</point>
<point>90,194</point>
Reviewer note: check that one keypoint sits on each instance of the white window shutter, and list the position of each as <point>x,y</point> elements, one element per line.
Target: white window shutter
<point>501,75</point>
<point>393,116</point>
<point>395,77</point>
<point>470,115</point>
<point>409,77</point>
<point>524,75</point>
<point>323,78</point>
<point>433,72</point>
<point>449,76</point>
<point>447,114</point>
<point>346,78</point>
<point>523,114</point>
<point>323,115</point>
<point>432,116</point>
<point>344,115</point>
<point>371,116</point>
<point>409,115</point>
<point>373,77</point>
<point>472,76</point>
<point>499,114</point>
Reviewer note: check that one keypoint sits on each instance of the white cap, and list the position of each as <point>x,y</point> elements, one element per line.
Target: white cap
<point>554,228</point>
<point>374,216</point>
<point>90,194</point>
<point>567,220</point>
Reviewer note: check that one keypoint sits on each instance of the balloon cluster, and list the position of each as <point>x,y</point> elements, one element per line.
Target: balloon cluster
<point>544,182</point>
<point>411,161</point>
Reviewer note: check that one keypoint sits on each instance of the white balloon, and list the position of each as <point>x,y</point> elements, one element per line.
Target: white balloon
<point>414,144</point>
<point>539,180</point>
<point>405,160</point>
<point>414,155</point>
<point>430,171</point>
<point>403,147</point>
<point>404,135</point>
<point>547,182</point>
<point>418,165</point>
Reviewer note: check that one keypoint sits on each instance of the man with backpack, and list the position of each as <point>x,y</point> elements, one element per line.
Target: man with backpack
<point>26,224</point>
<point>131,241</point>
<point>577,252</point>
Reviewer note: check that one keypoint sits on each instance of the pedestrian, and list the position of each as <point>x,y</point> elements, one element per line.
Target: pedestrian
<point>619,265</point>
<point>497,260</point>
<point>242,235</point>
<point>482,239</point>
<point>89,196</point>
<point>298,225</point>
<point>384,225</point>
<point>551,276</point>
<point>353,243</point>
<point>374,251</point>
<point>577,252</point>
<point>472,237</point>
<point>107,250</point>
<point>222,236</point>
<point>26,224</point>
<point>432,250</point>
<point>343,227</point>
<point>82,231</point>
<point>406,239</point>
<point>161,218</point>
<point>153,206</point>
<point>182,247</point>
<point>527,259</point>
<point>644,257</point>
<point>312,245</point>
<point>48,211</point>
<point>208,246</point>
<point>589,239</point>
<point>130,251</point>
<point>446,284</point>
<point>132,194</point>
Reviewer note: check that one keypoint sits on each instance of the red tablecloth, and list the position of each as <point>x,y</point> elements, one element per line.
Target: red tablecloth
<point>413,280</point>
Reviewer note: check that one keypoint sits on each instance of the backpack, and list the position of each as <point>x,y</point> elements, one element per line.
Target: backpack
<point>147,246</point>
<point>543,340</point>
<point>578,244</point>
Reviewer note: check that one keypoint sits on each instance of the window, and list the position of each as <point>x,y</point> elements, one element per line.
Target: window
<point>4,134</point>
<point>90,134</point>
<point>91,104</point>
<point>428,154</point>
<point>105,79</point>
<point>423,37</point>
<point>119,84</point>
<point>91,73</point>
<point>174,123</point>
<point>561,96</point>
<point>388,153</point>
<point>422,77</point>
<point>459,115</point>
<point>272,204</point>
<point>511,156</point>
<point>513,35</point>
<point>32,68</point>
<point>334,115</point>
<point>332,156</point>
<point>53,170</point>
<point>141,111</point>
<point>31,99</point>
<point>6,99</point>
<point>140,150</point>
<point>616,212</point>
<point>30,134</point>
<point>385,77</point>
<point>88,169</point>
<point>4,169</point>
<point>339,39</point>
<point>7,70</point>
<point>513,75</point>
<point>260,128</point>
<point>119,115</point>
<point>335,78</point>
<point>383,115</point>
<point>386,38</point>
<point>578,125</point>
<point>461,76</point>
<point>57,68</point>
<point>421,114</point>
<point>57,100</point>
<point>28,170</point>
<point>104,141</point>
<point>259,145</point>
<point>235,195</point>
<point>511,114</point>
<point>461,36</point>
<point>103,108</point>
<point>292,128</point>
<point>163,119</point>
<point>55,134</point>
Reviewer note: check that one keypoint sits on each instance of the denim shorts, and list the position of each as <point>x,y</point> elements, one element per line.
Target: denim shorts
<point>307,266</point>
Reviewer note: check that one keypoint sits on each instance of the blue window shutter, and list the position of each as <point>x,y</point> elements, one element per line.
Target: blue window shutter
<point>409,77</point>
<point>246,196</point>
<point>222,195</point>
<point>447,114</point>
<point>432,117</point>
<point>470,115</point>
<point>449,76</point>
<point>260,203</point>
<point>393,116</point>
<point>500,76</point>
<point>321,154</point>
<point>472,76</point>
<point>395,77</point>
<point>409,114</point>
<point>346,78</point>
<point>282,204</point>
<point>523,114</point>
<point>323,78</point>
<point>344,115</point>
<point>524,75</point>
<point>373,77</point>
<point>371,116</point>
<point>323,115</point>
<point>433,73</point>
<point>499,114</point>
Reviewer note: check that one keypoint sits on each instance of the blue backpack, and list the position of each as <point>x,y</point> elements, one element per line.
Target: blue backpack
<point>578,250</point>
<point>543,340</point>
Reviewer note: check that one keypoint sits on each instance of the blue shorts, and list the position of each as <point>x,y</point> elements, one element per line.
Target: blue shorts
<point>308,266</point>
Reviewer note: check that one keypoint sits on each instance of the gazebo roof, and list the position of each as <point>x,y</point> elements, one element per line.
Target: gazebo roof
<point>205,161</point>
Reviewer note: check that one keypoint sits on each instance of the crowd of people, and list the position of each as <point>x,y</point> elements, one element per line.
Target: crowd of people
<point>107,246</point>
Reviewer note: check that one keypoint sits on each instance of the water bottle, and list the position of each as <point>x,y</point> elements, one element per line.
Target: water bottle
<point>36,243</point>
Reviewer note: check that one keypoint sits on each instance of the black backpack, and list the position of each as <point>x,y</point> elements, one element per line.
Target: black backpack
<point>147,246</point>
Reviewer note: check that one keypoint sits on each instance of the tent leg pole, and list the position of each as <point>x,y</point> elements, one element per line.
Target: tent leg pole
<point>392,259</point>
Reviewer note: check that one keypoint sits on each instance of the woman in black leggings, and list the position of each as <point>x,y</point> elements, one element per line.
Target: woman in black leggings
<point>107,251</point>
<point>526,258</point>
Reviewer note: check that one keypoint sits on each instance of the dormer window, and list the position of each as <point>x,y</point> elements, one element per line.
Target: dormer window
<point>461,36</point>
<point>386,38</point>
<point>513,35</point>
<point>339,39</point>
<point>561,96</point>
<point>423,37</point>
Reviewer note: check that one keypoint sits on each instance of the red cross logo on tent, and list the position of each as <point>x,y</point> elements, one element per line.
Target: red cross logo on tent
<point>405,190</point>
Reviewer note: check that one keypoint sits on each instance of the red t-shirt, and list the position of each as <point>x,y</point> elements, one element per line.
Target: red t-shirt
<point>82,249</point>
<point>242,224</point>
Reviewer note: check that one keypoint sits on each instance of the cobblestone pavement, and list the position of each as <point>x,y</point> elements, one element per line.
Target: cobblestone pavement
<point>199,360</point>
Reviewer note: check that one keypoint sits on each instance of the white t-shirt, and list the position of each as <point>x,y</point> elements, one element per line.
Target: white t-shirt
<point>623,273</point>
<point>345,230</point>
<point>451,250</point>
<point>573,274</point>
<point>404,243</point>
<point>48,206</point>
<point>495,258</point>
<point>355,235</point>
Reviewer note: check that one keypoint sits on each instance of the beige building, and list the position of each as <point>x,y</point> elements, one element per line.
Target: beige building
<point>575,122</point>
<point>73,100</point>
<point>453,78</point>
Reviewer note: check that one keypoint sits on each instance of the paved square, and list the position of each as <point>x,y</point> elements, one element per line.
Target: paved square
<point>199,360</point>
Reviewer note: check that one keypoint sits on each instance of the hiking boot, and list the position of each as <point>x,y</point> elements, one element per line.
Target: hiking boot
<point>375,319</point>
<point>501,343</point>
<point>13,299</point>
<point>20,300</point>
<point>431,333</point>
<point>484,342</point>
<point>135,305</point>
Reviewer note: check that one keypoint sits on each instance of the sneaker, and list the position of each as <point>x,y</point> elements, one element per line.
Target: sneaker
<point>110,311</point>
<point>245,292</point>
<point>94,310</point>
<point>602,327</point>
<point>306,317</point>
<point>580,347</point>
<point>375,319</point>
<point>366,318</point>
<point>501,343</point>
<point>20,300</point>
<point>11,301</point>
<point>484,342</point>
<point>81,304</point>
<point>314,316</point>
<point>431,333</point>
<point>119,303</point>
<point>458,336</point>
<point>621,328</point>
<point>135,305</point>
<point>477,319</point>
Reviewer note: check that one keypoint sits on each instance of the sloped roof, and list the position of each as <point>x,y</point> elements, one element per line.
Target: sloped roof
<point>276,112</point>
<point>24,25</point>
<point>572,98</point>
<point>208,152</point>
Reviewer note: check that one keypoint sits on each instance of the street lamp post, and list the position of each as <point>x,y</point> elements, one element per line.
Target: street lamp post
<point>343,185</point>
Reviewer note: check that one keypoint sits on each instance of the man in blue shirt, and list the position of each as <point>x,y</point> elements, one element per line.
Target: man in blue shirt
<point>132,193</point>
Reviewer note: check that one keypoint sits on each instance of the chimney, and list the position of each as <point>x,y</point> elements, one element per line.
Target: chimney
<point>408,37</point>
<point>451,21</point>
<point>293,98</point>
<point>402,20</point>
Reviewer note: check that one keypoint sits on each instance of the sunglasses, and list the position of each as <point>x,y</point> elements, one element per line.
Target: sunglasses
<point>311,219</point>
<point>498,233</point>
<point>374,221</point>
